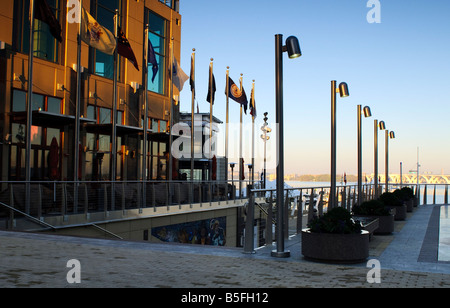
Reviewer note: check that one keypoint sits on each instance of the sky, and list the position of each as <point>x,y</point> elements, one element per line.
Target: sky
<point>399,67</point>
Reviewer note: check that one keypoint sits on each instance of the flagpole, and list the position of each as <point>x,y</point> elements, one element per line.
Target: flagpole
<point>144,138</point>
<point>77,112</point>
<point>227,125</point>
<point>253,132</point>
<point>29,111</point>
<point>192,114</point>
<point>114,117</point>
<point>210,117</point>
<point>241,171</point>
<point>171,110</point>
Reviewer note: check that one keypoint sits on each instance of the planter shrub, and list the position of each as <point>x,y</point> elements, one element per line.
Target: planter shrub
<point>377,209</point>
<point>390,200</point>
<point>335,237</point>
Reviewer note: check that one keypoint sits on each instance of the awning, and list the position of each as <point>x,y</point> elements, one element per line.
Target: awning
<point>46,119</point>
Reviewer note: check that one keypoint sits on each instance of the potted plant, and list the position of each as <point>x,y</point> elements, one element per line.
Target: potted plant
<point>335,237</point>
<point>406,195</point>
<point>376,209</point>
<point>391,201</point>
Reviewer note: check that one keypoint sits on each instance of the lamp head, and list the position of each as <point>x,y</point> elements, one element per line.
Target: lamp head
<point>293,47</point>
<point>382,125</point>
<point>343,89</point>
<point>392,135</point>
<point>366,111</point>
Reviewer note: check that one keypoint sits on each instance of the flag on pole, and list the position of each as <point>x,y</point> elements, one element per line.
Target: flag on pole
<point>252,103</point>
<point>95,35</point>
<point>151,58</point>
<point>236,94</point>
<point>179,77</point>
<point>192,75</point>
<point>213,86</point>
<point>124,48</point>
<point>44,13</point>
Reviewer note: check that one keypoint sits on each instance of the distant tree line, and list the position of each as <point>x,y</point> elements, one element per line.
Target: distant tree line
<point>323,178</point>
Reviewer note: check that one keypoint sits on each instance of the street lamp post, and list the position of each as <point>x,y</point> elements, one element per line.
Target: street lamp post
<point>343,92</point>
<point>293,49</point>
<point>266,129</point>
<point>389,135</point>
<point>381,126</point>
<point>367,114</point>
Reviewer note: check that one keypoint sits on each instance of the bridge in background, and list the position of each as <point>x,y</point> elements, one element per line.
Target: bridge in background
<point>412,178</point>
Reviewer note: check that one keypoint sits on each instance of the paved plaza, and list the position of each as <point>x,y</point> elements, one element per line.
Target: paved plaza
<point>408,258</point>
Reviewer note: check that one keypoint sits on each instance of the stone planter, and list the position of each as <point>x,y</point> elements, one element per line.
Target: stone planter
<point>341,248</point>
<point>400,212</point>
<point>409,205</point>
<point>385,223</point>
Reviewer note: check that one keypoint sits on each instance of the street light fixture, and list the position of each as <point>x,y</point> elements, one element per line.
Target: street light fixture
<point>266,129</point>
<point>343,92</point>
<point>293,49</point>
<point>367,113</point>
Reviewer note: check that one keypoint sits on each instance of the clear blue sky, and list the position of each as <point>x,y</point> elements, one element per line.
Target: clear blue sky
<point>399,67</point>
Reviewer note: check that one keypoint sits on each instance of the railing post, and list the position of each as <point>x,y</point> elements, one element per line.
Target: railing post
<point>249,222</point>
<point>425,195</point>
<point>299,213</point>
<point>446,194</point>
<point>269,233</point>
<point>434,194</point>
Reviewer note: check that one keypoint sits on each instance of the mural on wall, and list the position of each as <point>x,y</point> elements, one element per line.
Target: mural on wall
<point>202,232</point>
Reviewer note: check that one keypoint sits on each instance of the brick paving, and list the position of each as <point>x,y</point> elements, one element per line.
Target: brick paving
<point>39,260</point>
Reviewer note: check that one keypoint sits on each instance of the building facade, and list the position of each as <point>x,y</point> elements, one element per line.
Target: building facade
<point>55,90</point>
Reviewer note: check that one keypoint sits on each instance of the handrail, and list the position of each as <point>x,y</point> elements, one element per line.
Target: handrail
<point>106,231</point>
<point>29,216</point>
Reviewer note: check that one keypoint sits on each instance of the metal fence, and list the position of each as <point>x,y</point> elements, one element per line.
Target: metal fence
<point>302,203</point>
<point>51,198</point>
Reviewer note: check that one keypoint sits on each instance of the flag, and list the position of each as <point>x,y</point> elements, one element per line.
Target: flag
<point>179,77</point>
<point>44,13</point>
<point>151,58</point>
<point>236,94</point>
<point>192,75</point>
<point>213,86</point>
<point>124,48</point>
<point>95,35</point>
<point>253,103</point>
<point>242,169</point>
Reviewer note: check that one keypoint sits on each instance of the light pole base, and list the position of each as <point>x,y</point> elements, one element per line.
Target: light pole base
<point>280,254</point>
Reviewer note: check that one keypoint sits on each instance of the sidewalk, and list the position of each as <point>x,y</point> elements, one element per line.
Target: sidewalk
<point>408,259</point>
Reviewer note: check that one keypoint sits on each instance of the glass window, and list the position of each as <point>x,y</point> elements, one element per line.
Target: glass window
<point>19,101</point>
<point>105,12</point>
<point>90,112</point>
<point>54,105</point>
<point>52,133</point>
<point>104,116</point>
<point>37,102</point>
<point>157,36</point>
<point>45,46</point>
<point>36,135</point>
<point>155,128</point>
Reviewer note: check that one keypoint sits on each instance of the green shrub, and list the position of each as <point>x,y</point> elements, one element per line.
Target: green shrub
<point>372,207</point>
<point>390,199</point>
<point>337,220</point>
<point>404,194</point>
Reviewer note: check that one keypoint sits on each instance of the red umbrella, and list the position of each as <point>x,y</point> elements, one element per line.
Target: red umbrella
<point>53,159</point>
<point>214,168</point>
<point>242,168</point>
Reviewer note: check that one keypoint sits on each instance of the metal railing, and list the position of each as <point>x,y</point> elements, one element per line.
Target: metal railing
<point>62,198</point>
<point>302,203</point>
